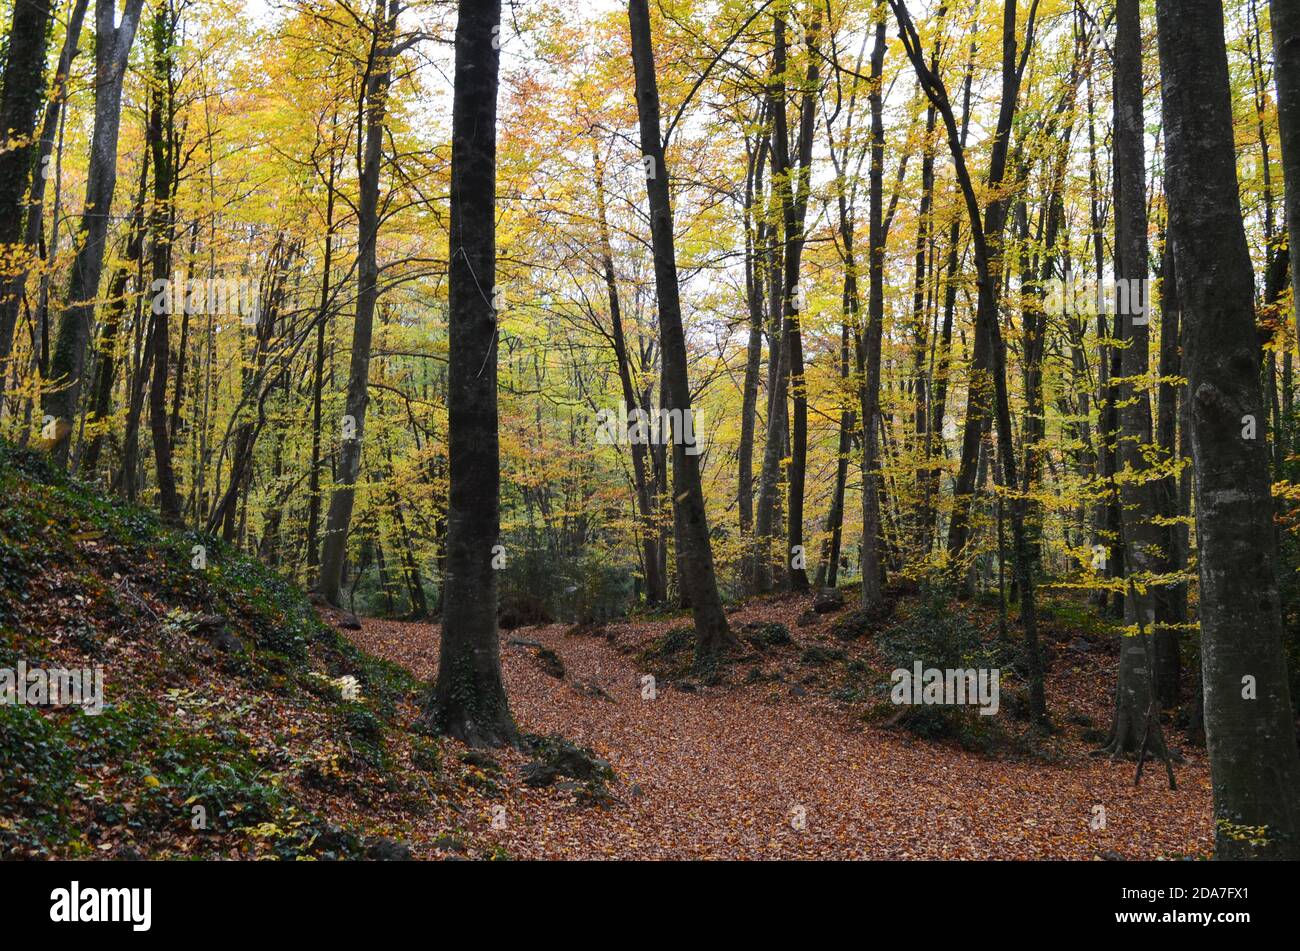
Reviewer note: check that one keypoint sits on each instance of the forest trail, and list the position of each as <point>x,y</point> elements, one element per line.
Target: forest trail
<point>727,772</point>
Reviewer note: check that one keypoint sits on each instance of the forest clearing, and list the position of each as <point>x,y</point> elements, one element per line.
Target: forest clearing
<point>728,773</point>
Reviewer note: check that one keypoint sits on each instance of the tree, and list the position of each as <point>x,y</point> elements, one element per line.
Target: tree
<point>1141,535</point>
<point>1250,731</point>
<point>163,148</point>
<point>378,79</point>
<point>469,698</point>
<point>694,551</point>
<point>1285,16</point>
<point>795,183</point>
<point>67,365</point>
<point>872,547</point>
<point>20,100</point>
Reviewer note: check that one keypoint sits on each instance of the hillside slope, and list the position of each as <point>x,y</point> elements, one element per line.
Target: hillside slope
<point>224,729</point>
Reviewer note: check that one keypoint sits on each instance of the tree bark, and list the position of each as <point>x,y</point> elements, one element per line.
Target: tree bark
<point>694,552</point>
<point>794,198</point>
<point>1141,536</point>
<point>339,516</point>
<point>161,142</point>
<point>469,698</point>
<point>20,100</point>
<point>1254,764</point>
<point>872,553</point>
<point>67,363</point>
<point>756,237</point>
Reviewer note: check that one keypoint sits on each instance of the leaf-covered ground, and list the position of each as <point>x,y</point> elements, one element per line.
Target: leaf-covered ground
<point>786,751</point>
<point>229,729</point>
<point>734,770</point>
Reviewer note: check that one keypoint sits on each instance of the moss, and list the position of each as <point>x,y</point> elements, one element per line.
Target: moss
<point>765,635</point>
<point>171,740</point>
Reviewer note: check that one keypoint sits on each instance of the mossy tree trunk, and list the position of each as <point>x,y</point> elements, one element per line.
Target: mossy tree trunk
<point>1249,721</point>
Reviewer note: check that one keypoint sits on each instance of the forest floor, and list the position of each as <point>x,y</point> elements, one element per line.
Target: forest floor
<point>236,724</point>
<point>783,763</point>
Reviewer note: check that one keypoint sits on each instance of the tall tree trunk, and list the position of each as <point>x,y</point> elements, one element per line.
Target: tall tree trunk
<point>872,540</point>
<point>67,363</point>
<point>20,100</point>
<point>1250,730</point>
<point>756,237</point>
<point>161,141</point>
<point>795,209</point>
<point>694,552</point>
<point>469,697</point>
<point>1285,16</point>
<point>922,519</point>
<point>778,376</point>
<point>337,520</point>
<point>1141,536</point>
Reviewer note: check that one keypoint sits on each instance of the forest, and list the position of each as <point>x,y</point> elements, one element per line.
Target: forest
<point>684,429</point>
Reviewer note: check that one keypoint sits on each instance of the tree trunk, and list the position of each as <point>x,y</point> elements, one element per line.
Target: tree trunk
<point>20,100</point>
<point>68,362</point>
<point>794,198</point>
<point>755,242</point>
<point>469,697</point>
<point>694,552</point>
<point>1141,537</point>
<point>161,141</point>
<point>872,554</point>
<point>337,520</point>
<point>1254,764</point>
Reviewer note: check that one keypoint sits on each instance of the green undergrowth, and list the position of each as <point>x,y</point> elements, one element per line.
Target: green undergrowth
<point>231,714</point>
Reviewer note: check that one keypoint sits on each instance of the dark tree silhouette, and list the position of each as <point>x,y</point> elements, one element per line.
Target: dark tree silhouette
<point>1249,727</point>
<point>694,553</point>
<point>469,698</point>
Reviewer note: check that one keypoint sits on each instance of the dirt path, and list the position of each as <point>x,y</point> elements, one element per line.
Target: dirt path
<point>728,772</point>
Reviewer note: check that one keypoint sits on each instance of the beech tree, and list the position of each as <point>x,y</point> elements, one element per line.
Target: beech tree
<point>1142,537</point>
<point>378,78</point>
<point>1249,725</point>
<point>469,698</point>
<point>20,100</point>
<point>694,552</point>
<point>67,364</point>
